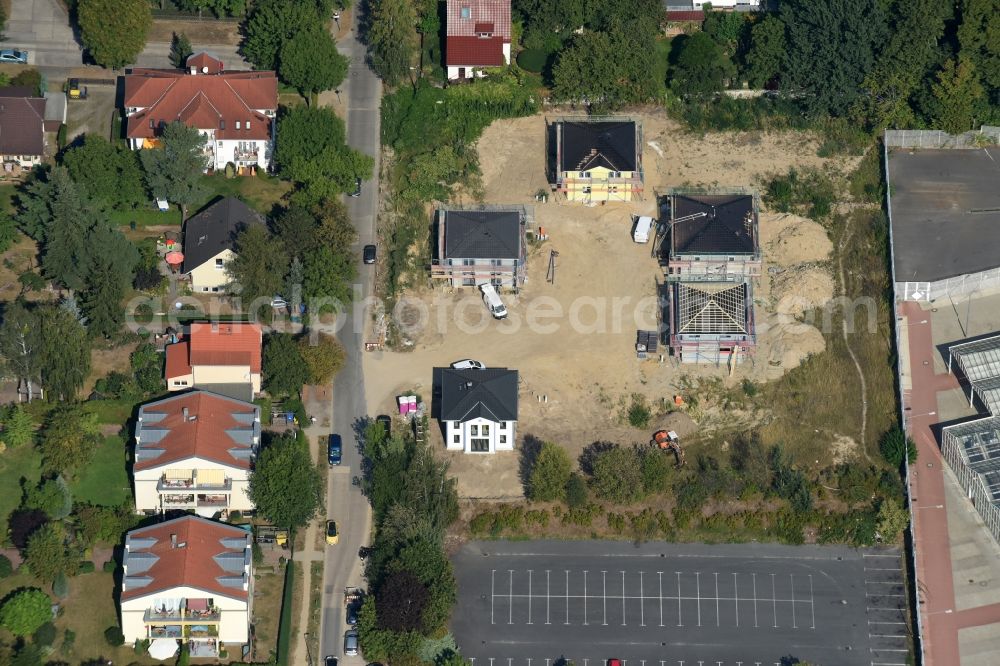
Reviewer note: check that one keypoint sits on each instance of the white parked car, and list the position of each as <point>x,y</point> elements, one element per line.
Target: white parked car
<point>493,302</point>
<point>468,364</point>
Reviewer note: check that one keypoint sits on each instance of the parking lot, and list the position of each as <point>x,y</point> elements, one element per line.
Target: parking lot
<point>677,604</point>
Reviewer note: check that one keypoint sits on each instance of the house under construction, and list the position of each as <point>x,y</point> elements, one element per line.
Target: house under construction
<point>711,236</point>
<point>484,244</point>
<point>711,322</point>
<point>596,158</point>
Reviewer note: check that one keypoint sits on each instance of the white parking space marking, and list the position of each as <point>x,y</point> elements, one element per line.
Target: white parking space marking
<point>659,576</point>
<point>736,596</point>
<point>493,594</point>
<point>510,599</point>
<point>567,596</point>
<point>754,599</point>
<point>791,578</point>
<point>604,596</point>
<point>717,619</point>
<point>623,598</point>
<point>642,604</point>
<point>547,598</point>
<point>680,623</point>
<point>585,597</point>
<point>529,596</point>
<point>697,582</point>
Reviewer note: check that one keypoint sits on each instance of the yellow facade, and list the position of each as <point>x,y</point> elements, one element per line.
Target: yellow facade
<point>600,184</point>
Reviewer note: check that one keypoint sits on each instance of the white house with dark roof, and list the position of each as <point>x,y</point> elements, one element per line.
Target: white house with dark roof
<point>596,160</point>
<point>210,242</point>
<point>478,409</point>
<point>188,580</point>
<point>193,451</point>
<point>478,246</point>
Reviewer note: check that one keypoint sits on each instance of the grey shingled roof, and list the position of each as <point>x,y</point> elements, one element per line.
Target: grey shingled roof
<point>724,229</point>
<point>473,234</point>
<point>469,394</point>
<point>599,144</point>
<point>215,229</point>
<point>21,122</point>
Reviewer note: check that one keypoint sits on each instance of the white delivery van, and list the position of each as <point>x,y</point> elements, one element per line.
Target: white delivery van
<point>642,227</point>
<point>492,300</point>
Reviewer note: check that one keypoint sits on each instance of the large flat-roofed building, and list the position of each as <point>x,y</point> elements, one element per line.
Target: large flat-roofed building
<point>944,213</point>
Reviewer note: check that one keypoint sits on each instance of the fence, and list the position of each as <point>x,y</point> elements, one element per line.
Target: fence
<point>937,139</point>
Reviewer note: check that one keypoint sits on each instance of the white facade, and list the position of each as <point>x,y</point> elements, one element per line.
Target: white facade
<point>243,153</point>
<point>228,618</point>
<point>479,435</point>
<point>204,486</point>
<point>211,276</point>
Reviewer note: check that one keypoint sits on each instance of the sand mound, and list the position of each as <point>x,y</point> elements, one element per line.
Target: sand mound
<point>790,239</point>
<point>796,291</point>
<point>786,345</point>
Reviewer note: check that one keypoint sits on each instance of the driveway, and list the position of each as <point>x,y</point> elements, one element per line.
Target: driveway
<point>659,603</point>
<point>42,27</point>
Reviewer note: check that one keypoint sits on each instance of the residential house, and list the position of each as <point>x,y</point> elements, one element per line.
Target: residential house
<point>193,452</point>
<point>712,237</point>
<point>224,358</point>
<point>599,160</point>
<point>210,242</point>
<point>22,128</point>
<point>234,111</point>
<point>478,409</point>
<point>477,37</point>
<point>191,580</point>
<point>479,246</point>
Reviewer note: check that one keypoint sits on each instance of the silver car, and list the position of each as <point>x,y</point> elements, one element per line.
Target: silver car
<point>14,55</point>
<point>351,643</point>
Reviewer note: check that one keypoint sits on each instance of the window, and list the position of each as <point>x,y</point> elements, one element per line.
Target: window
<point>614,174</point>
<point>237,124</point>
<point>585,174</point>
<point>480,446</point>
<point>469,282</point>
<point>473,430</point>
<point>503,439</point>
<point>215,289</point>
<point>496,281</point>
<point>586,190</point>
<point>180,382</point>
<point>458,439</point>
<point>248,124</point>
<point>204,288</point>
<point>219,264</point>
<point>486,430</point>
<point>496,262</point>
<point>503,425</point>
<point>466,12</point>
<point>467,262</point>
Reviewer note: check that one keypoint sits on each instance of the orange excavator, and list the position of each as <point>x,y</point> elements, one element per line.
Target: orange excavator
<point>667,440</point>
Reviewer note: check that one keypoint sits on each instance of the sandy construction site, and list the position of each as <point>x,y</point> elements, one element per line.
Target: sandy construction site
<point>573,340</point>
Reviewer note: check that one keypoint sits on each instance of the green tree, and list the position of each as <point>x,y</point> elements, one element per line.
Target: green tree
<point>429,490</point>
<point>392,38</point>
<point>576,491</point>
<point>259,265</point>
<point>726,28</point>
<point>892,519</point>
<point>180,50</point>
<point>295,228</point>
<point>146,364</point>
<point>618,70</point>
<point>821,65</point>
<point>18,426</point>
<point>26,610</point>
<point>618,475</point>
<point>327,276</point>
<point>702,68</point>
<point>110,276</point>
<point>114,31</point>
<point>68,440</point>
<point>324,358</point>
<point>766,55</point>
<point>285,485</point>
<point>173,171</point>
<point>51,496</point>
<point>273,22</point>
<point>310,62</point>
<point>897,447</point>
<point>217,7</point>
<point>310,151</point>
<point>979,42</point>
<point>63,352</point>
<point>955,97</point>
<point>285,371</point>
<point>47,555</point>
<point>549,474</point>
<point>20,345</point>
<point>109,171</point>
<point>400,600</point>
<point>8,231</point>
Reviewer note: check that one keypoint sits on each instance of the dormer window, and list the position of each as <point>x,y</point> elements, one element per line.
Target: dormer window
<point>152,123</point>
<point>237,124</point>
<point>466,12</point>
<point>248,124</point>
<point>222,124</point>
<point>484,30</point>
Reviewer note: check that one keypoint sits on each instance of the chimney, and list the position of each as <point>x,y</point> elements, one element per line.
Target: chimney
<point>173,540</point>
<point>194,70</point>
<point>184,412</point>
<point>182,544</point>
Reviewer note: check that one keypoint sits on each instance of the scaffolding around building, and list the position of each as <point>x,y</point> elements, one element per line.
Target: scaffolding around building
<point>711,322</point>
<point>589,190</point>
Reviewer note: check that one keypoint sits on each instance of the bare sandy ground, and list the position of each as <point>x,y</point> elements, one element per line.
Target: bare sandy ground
<point>579,369</point>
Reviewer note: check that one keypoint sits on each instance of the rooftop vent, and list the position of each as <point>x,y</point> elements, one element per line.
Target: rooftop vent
<point>173,540</point>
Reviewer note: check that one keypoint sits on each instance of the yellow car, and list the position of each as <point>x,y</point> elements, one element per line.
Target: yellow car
<point>332,536</point>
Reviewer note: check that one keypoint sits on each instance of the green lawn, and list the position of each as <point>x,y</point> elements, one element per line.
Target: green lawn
<point>110,412</point>
<point>7,192</point>
<point>261,191</point>
<point>15,464</point>
<point>105,480</point>
<point>144,217</point>
<point>660,71</point>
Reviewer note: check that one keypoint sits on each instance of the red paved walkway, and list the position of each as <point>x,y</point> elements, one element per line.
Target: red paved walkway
<point>936,591</point>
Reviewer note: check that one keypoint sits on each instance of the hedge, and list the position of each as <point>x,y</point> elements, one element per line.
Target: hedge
<point>532,60</point>
<point>285,621</point>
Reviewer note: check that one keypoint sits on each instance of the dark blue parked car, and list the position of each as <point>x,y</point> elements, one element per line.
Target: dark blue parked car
<point>334,450</point>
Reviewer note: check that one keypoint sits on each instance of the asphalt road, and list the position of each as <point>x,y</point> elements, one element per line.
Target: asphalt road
<point>346,503</point>
<point>659,604</point>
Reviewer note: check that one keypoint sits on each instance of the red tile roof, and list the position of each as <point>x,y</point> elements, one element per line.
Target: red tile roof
<point>189,566</point>
<point>226,344</point>
<point>474,52</point>
<point>206,101</point>
<point>196,424</point>
<point>495,12</point>
<point>177,360</point>
<point>682,15</point>
<point>202,61</point>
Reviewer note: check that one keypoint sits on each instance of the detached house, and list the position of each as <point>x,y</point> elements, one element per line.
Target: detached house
<point>188,580</point>
<point>478,409</point>
<point>478,36</point>
<point>712,237</point>
<point>22,128</point>
<point>597,160</point>
<point>224,358</point>
<point>193,452</point>
<point>234,111</point>
<point>479,246</point>
<point>210,241</point>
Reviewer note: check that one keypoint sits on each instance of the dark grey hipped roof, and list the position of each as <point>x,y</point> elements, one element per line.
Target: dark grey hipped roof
<point>470,394</point>
<point>215,229</point>
<point>602,144</point>
<point>22,116</point>
<point>470,234</point>
<point>725,227</point>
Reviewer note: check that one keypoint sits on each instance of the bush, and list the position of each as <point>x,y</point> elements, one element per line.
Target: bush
<point>86,567</point>
<point>110,566</point>
<point>532,60</point>
<point>618,476</point>
<point>61,136</point>
<point>141,646</point>
<point>60,586</point>
<point>45,635</point>
<point>897,447</point>
<point>576,492</point>
<point>26,610</point>
<point>6,568</point>
<point>638,412</point>
<point>69,640</point>
<point>809,192</point>
<point>114,636</point>
<point>549,474</point>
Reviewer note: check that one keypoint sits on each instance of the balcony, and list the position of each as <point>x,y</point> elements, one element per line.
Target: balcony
<point>213,500</point>
<point>183,616</point>
<point>192,484</point>
<point>165,631</point>
<point>245,154</point>
<point>178,501</point>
